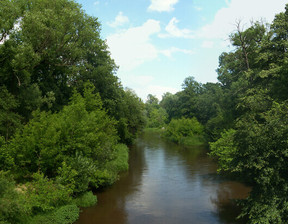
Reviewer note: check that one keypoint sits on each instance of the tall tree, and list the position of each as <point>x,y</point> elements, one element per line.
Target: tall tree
<point>50,47</point>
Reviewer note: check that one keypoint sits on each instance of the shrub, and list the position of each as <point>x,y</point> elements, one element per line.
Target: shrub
<point>67,214</point>
<point>44,195</point>
<point>224,150</point>
<point>6,160</point>
<point>109,174</point>
<point>88,199</point>
<point>120,163</point>
<point>85,169</point>
<point>12,206</point>
<point>49,139</point>
<point>182,131</point>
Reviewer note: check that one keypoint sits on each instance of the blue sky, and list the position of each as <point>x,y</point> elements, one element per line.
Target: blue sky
<point>158,43</point>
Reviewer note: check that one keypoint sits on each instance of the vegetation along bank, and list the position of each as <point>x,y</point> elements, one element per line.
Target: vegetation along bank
<point>65,119</point>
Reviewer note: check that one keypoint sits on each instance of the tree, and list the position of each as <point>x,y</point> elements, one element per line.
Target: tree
<point>9,119</point>
<point>49,139</point>
<point>152,99</point>
<point>186,131</point>
<point>256,149</point>
<point>50,48</point>
<point>130,116</point>
<point>170,102</point>
<point>158,118</point>
<point>188,97</point>
<point>55,47</point>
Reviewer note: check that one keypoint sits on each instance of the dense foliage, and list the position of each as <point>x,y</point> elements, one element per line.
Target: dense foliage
<point>186,131</point>
<point>63,112</point>
<point>47,50</point>
<point>256,75</point>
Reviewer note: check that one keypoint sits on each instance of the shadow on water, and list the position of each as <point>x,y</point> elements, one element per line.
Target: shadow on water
<point>167,183</point>
<point>111,201</point>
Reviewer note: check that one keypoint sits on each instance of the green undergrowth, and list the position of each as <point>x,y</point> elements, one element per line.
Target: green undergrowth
<point>67,214</point>
<point>119,164</point>
<point>55,200</point>
<point>88,199</point>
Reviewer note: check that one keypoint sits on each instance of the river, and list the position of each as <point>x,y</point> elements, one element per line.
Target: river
<point>167,184</point>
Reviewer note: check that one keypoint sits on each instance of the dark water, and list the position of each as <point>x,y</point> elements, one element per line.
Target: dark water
<point>167,184</point>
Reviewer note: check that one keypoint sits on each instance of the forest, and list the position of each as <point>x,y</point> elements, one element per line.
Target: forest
<point>66,119</point>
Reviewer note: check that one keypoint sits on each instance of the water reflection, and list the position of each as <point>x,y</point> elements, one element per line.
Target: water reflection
<point>225,201</point>
<point>167,183</point>
<point>112,201</point>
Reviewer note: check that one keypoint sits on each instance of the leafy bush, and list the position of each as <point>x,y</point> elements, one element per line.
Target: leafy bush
<point>6,160</point>
<point>120,163</point>
<point>66,176</point>
<point>86,200</point>
<point>67,214</point>
<point>109,174</point>
<point>44,195</point>
<point>50,139</point>
<point>157,118</point>
<point>224,150</point>
<point>182,131</point>
<point>12,206</point>
<point>84,168</point>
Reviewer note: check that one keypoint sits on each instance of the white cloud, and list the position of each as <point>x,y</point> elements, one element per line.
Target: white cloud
<point>133,46</point>
<point>120,20</point>
<point>170,51</point>
<point>244,10</point>
<point>96,3</point>
<point>162,5</point>
<point>207,44</point>
<point>173,31</point>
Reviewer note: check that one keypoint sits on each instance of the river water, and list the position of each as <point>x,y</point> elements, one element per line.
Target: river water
<point>167,184</point>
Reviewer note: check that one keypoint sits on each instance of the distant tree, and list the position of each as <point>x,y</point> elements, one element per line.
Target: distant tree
<point>170,102</point>
<point>152,99</point>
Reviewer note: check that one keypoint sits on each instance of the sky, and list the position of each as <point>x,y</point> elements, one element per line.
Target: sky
<point>158,43</point>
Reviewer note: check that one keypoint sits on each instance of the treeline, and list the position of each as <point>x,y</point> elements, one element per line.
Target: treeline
<point>64,115</point>
<point>244,115</point>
